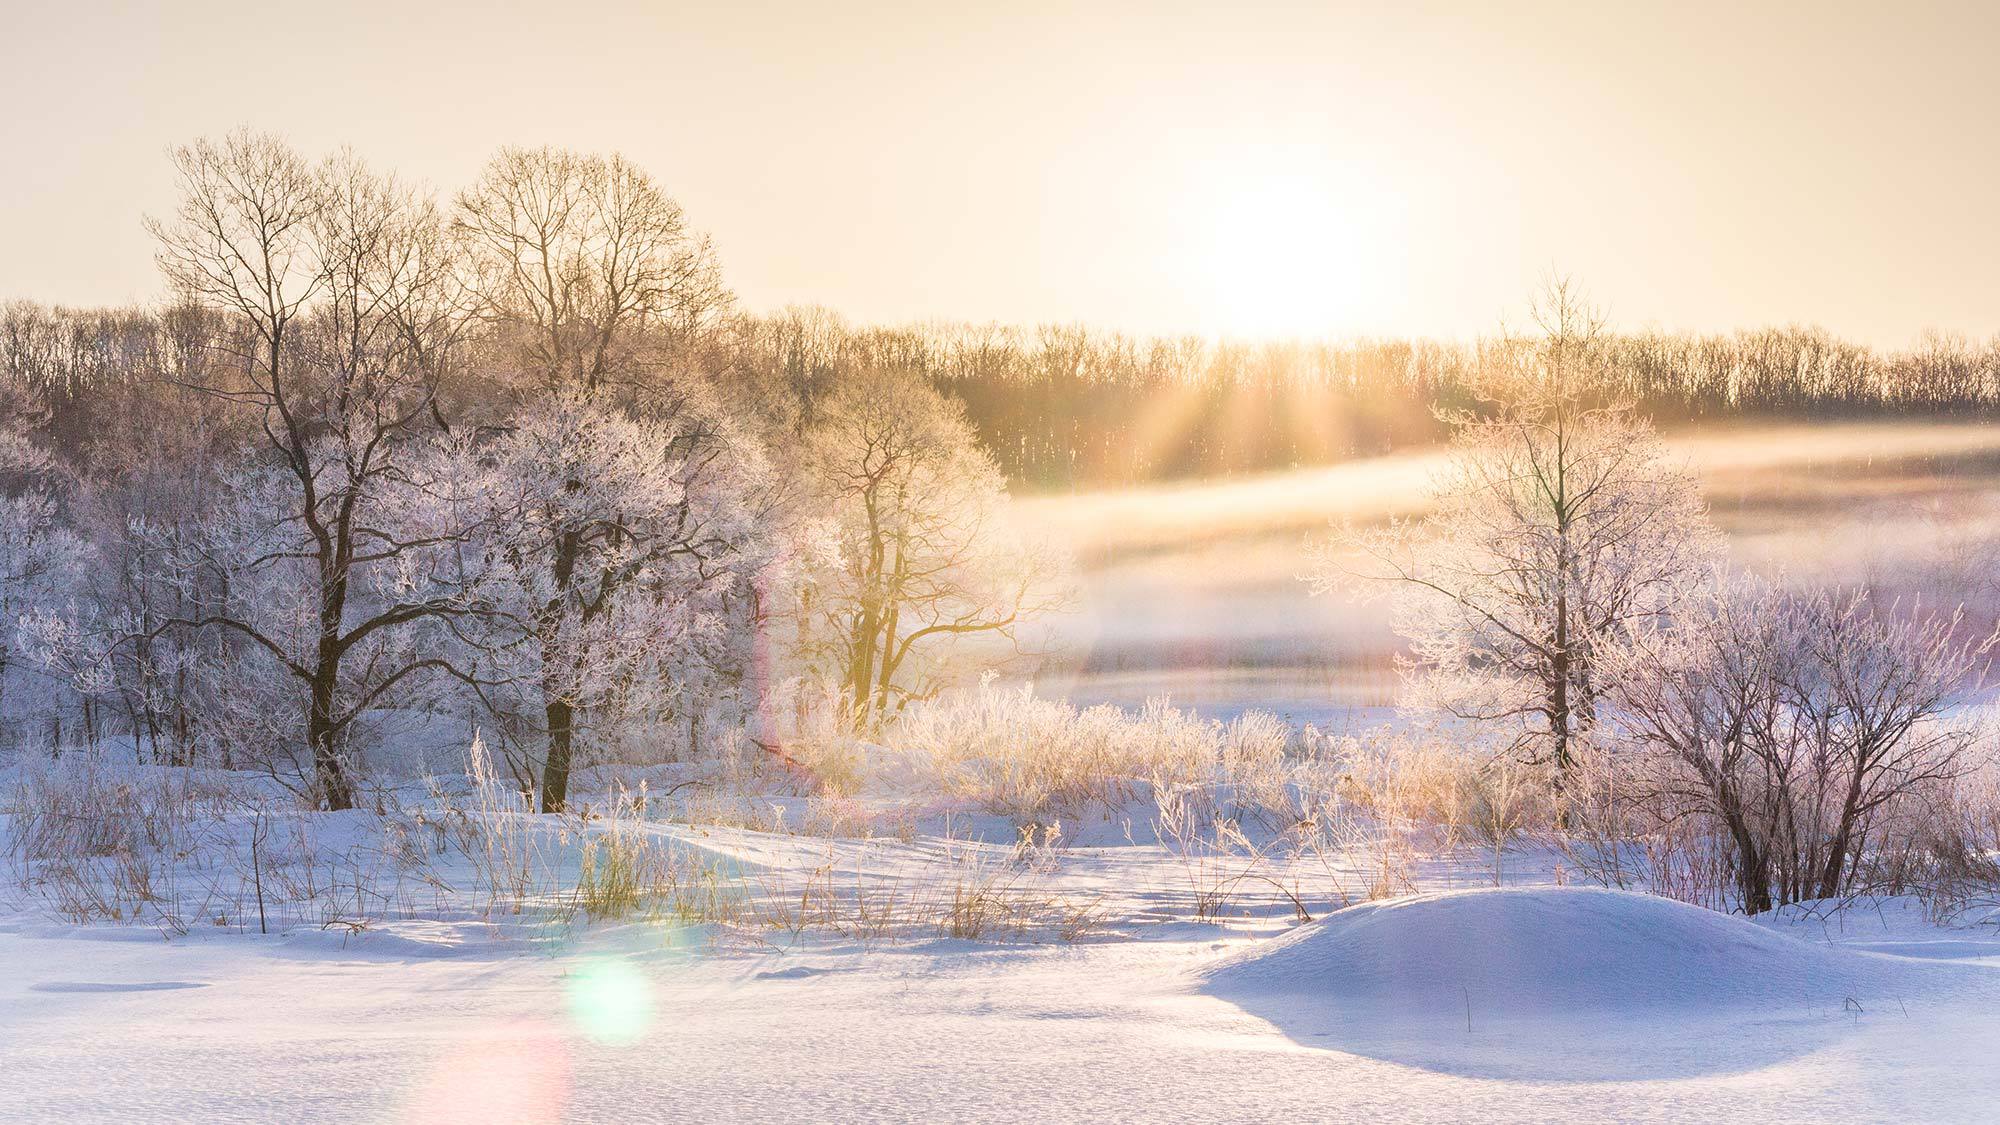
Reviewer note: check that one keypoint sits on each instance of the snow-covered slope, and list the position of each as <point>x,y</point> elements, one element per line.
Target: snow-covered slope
<point>1543,981</point>
<point>1545,951</point>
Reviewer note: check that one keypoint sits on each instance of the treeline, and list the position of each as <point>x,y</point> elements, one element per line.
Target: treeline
<point>1063,406</point>
<point>505,463</point>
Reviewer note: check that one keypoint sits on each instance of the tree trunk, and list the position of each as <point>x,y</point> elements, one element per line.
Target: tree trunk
<point>322,729</point>
<point>329,765</point>
<point>1559,705</point>
<point>561,719</point>
<point>1753,871</point>
<point>886,667</point>
<point>1835,861</point>
<point>557,710</point>
<point>861,664</point>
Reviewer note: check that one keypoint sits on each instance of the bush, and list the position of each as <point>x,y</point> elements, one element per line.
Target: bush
<point>106,841</point>
<point>1038,759</point>
<point>1807,735</point>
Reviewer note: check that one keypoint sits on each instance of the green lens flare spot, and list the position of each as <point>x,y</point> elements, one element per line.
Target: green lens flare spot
<point>610,1002</point>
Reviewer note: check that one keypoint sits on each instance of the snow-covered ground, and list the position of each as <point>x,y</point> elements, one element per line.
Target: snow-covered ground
<point>1531,1002</point>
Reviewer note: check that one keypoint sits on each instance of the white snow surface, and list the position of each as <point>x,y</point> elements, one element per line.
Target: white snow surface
<point>1547,952</point>
<point>1529,1003</point>
<point>233,1029</point>
<point>1570,983</point>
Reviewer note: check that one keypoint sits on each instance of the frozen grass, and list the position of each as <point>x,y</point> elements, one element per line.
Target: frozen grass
<point>899,938</point>
<point>991,816</point>
<point>93,841</point>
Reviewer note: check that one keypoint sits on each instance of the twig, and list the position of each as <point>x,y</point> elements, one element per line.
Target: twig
<point>257,866</point>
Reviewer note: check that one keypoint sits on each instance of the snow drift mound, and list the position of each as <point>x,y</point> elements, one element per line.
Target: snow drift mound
<point>1568,984</point>
<point>1551,950</point>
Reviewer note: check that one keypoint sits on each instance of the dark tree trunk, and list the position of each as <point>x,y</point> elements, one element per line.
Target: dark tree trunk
<point>1835,862</point>
<point>557,710</point>
<point>561,719</point>
<point>1753,870</point>
<point>322,722</point>
<point>323,735</point>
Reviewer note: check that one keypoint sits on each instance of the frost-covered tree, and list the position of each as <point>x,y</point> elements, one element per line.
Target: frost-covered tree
<point>145,475</point>
<point>41,558</point>
<point>335,291</point>
<point>1557,525</point>
<point>914,556</point>
<point>625,494</point>
<point>620,539</point>
<point>1793,722</point>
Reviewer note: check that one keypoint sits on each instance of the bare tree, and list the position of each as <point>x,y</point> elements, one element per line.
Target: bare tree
<point>1791,721</point>
<point>1704,704</point>
<point>1877,695</point>
<point>1557,526</point>
<point>914,551</point>
<point>336,288</point>
<point>582,260</point>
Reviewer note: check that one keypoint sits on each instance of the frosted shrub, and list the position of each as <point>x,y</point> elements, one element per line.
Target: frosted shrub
<point>1034,758</point>
<point>821,752</point>
<point>105,841</point>
<point>832,815</point>
<point>1979,798</point>
<point>1939,843</point>
<point>1017,754</point>
<point>1450,779</point>
<point>1263,771</point>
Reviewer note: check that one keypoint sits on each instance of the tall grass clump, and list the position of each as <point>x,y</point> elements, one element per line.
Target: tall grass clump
<point>108,841</point>
<point>1040,759</point>
<point>624,873</point>
<point>494,824</point>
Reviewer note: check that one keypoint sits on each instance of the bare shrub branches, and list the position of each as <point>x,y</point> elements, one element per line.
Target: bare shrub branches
<point>1797,724</point>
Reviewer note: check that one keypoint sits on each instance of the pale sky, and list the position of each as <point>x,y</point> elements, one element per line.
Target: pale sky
<point>1331,169</point>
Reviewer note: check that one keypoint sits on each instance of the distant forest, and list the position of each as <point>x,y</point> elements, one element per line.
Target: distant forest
<point>1065,407</point>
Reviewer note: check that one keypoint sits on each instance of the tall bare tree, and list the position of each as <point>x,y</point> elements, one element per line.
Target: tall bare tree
<point>1558,524</point>
<point>336,289</point>
<point>583,260</point>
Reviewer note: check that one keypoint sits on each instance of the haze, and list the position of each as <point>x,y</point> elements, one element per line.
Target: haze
<point>1249,170</point>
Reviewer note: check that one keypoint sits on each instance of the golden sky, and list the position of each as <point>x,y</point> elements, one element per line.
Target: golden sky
<point>1329,169</point>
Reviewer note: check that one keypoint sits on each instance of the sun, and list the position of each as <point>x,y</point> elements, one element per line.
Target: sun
<point>1293,253</point>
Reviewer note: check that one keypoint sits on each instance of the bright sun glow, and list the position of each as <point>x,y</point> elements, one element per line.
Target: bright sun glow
<point>1296,248</point>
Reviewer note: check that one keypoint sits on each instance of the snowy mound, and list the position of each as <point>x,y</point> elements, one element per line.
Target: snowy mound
<point>1561,983</point>
<point>1548,950</point>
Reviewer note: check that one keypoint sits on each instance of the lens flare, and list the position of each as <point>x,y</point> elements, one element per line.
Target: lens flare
<point>517,1073</point>
<point>611,1002</point>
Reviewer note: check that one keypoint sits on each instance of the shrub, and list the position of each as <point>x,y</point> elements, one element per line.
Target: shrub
<point>106,841</point>
<point>1038,759</point>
